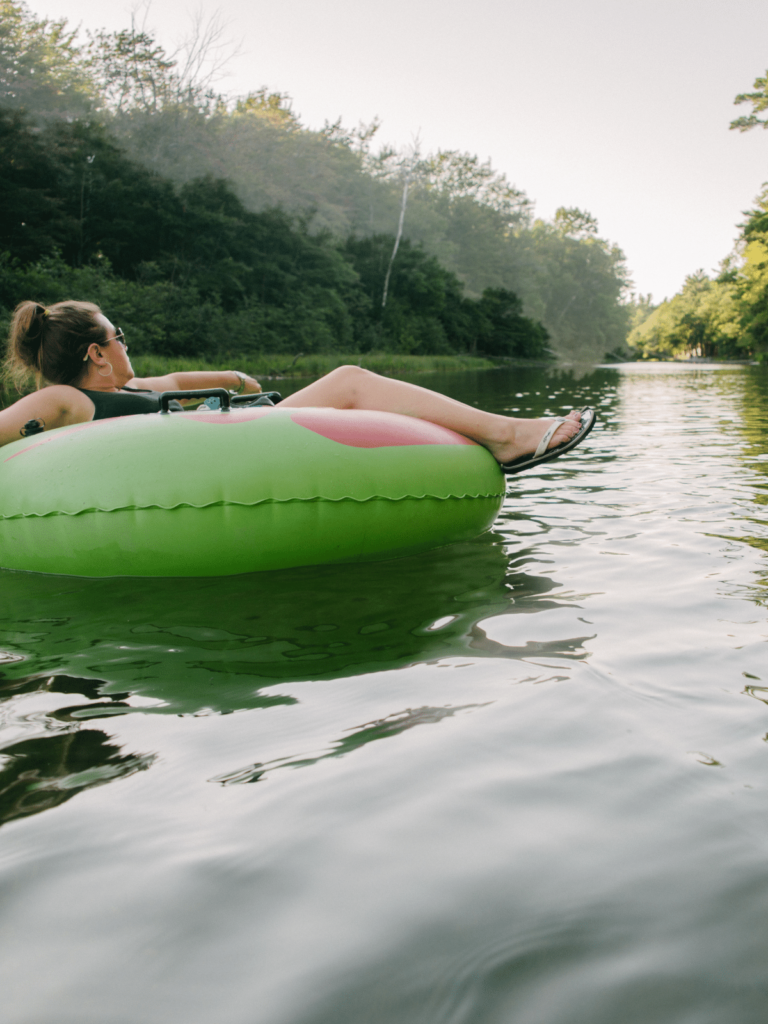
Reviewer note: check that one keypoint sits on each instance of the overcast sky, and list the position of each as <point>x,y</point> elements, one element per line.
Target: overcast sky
<point>620,107</point>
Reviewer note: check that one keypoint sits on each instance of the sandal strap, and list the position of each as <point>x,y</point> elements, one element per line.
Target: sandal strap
<point>548,433</point>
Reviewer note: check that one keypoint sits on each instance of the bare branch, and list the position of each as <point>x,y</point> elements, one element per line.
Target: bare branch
<point>203,55</point>
<point>407,175</point>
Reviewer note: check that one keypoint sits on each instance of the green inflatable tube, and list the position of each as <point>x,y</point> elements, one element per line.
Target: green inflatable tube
<point>220,493</point>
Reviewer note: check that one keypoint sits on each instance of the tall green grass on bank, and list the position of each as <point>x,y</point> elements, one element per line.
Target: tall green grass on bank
<point>265,366</point>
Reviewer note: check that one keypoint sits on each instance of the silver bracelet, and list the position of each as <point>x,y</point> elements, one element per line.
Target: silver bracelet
<point>243,378</point>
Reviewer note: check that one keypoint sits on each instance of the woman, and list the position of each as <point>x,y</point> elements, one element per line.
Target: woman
<point>75,347</point>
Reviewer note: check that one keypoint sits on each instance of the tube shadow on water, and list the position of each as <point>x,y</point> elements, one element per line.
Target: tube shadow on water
<point>214,645</point>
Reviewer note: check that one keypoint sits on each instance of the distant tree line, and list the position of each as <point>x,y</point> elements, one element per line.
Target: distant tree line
<point>725,316</point>
<point>721,317</point>
<point>209,226</point>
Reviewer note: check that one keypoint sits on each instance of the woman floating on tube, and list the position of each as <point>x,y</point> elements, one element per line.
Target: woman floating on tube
<point>84,360</point>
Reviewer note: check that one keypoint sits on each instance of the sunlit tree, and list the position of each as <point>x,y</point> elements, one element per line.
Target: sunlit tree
<point>575,223</point>
<point>42,67</point>
<point>274,108</point>
<point>702,321</point>
<point>759,101</point>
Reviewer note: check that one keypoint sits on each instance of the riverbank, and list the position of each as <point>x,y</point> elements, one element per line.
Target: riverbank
<point>274,367</point>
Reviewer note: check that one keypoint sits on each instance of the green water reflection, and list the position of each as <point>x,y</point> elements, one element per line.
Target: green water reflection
<point>369,732</point>
<point>216,644</point>
<point>42,773</point>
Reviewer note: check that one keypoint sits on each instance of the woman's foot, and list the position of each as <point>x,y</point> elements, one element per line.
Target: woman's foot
<point>524,436</point>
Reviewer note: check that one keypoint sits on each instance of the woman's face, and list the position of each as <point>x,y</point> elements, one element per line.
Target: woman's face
<point>116,349</point>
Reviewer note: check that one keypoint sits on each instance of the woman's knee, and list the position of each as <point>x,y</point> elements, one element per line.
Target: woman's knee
<point>350,374</point>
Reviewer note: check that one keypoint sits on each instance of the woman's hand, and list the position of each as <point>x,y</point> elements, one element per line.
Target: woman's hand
<point>246,385</point>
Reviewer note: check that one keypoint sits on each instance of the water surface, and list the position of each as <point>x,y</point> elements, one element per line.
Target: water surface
<point>521,779</point>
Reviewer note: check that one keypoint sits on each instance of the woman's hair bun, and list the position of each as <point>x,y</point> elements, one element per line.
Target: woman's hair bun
<point>49,342</point>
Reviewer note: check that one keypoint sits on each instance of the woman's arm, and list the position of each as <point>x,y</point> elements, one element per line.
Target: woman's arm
<point>189,381</point>
<point>56,406</point>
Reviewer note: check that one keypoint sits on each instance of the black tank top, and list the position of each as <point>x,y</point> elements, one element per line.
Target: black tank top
<point>126,402</point>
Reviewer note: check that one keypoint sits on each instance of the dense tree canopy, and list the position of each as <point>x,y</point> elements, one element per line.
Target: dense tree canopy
<point>117,159</point>
<point>213,274</point>
<point>702,321</point>
<point>42,67</point>
<point>725,317</point>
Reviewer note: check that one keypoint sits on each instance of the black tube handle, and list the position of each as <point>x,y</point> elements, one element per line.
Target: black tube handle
<point>257,398</point>
<point>172,396</point>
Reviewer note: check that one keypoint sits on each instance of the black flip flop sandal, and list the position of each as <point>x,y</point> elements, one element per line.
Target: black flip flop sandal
<point>544,454</point>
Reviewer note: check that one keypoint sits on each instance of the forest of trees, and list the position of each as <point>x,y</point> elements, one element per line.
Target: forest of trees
<point>207,225</point>
<point>726,316</point>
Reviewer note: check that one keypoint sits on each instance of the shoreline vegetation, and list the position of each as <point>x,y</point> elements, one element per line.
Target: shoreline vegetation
<point>275,368</point>
<point>271,367</point>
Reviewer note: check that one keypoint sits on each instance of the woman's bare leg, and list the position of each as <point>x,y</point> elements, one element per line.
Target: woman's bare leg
<point>351,387</point>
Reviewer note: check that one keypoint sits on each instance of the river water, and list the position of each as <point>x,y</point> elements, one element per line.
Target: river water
<point>522,780</point>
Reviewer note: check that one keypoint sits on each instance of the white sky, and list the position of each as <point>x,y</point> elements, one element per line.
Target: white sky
<point>620,107</point>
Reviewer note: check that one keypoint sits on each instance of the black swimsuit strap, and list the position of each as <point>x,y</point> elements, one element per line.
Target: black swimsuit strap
<point>125,402</point>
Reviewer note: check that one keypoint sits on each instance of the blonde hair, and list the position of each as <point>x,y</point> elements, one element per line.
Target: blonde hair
<point>50,342</point>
